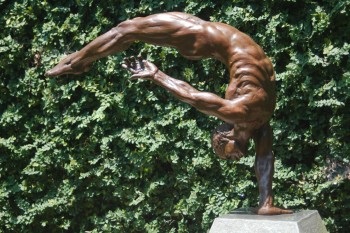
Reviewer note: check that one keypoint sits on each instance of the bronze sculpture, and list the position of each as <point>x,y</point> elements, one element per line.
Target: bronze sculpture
<point>250,97</point>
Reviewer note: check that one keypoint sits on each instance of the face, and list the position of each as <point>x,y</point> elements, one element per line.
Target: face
<point>226,145</point>
<point>232,150</point>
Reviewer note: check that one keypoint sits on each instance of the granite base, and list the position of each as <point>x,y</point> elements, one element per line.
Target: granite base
<point>244,221</point>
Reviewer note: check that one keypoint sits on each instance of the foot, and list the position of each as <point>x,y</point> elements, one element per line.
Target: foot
<point>270,210</point>
<point>68,65</point>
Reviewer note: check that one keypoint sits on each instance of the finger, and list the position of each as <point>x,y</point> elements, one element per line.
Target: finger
<point>132,70</point>
<point>140,61</point>
<point>132,60</point>
<point>125,66</point>
<point>144,63</point>
<point>136,63</point>
<point>135,76</point>
<point>126,61</point>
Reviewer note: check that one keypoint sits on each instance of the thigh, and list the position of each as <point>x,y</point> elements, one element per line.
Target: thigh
<point>175,30</point>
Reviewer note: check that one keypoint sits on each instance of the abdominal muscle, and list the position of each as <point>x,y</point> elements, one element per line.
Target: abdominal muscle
<point>258,99</point>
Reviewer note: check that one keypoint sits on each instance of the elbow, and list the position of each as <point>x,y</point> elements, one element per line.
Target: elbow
<point>124,28</point>
<point>234,114</point>
<point>124,25</point>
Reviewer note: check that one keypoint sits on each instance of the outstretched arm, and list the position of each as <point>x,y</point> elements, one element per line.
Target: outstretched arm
<point>208,103</point>
<point>264,169</point>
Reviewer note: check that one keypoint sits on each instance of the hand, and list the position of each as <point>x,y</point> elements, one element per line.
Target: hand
<point>140,68</point>
<point>270,210</point>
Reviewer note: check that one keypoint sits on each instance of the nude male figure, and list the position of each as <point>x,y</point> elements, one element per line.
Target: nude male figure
<point>250,97</point>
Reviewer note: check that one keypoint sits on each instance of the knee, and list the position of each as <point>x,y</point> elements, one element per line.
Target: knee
<point>122,28</point>
<point>131,24</point>
<point>124,25</point>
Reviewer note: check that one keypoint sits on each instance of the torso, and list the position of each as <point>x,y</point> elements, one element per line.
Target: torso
<point>252,76</point>
<point>252,79</point>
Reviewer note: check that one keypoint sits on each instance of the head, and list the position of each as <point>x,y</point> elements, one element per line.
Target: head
<point>224,143</point>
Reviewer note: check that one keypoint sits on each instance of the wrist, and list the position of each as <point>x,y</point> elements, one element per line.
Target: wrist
<point>159,75</point>
<point>154,72</point>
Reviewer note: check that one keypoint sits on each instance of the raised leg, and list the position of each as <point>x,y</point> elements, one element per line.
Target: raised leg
<point>167,29</point>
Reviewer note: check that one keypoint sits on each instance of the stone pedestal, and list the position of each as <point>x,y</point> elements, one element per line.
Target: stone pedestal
<point>243,221</point>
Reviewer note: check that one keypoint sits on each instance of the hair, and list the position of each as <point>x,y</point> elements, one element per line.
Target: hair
<point>219,138</point>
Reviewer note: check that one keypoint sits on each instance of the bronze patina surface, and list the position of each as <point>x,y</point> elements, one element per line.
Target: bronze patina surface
<point>250,97</point>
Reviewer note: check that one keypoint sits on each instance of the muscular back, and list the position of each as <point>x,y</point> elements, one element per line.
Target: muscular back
<point>252,79</point>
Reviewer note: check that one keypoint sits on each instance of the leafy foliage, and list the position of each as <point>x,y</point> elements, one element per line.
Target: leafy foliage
<point>99,153</point>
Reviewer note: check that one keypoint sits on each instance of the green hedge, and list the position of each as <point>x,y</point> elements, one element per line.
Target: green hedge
<point>99,153</point>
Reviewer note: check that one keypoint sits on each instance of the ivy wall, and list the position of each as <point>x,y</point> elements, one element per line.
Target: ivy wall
<point>98,153</point>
